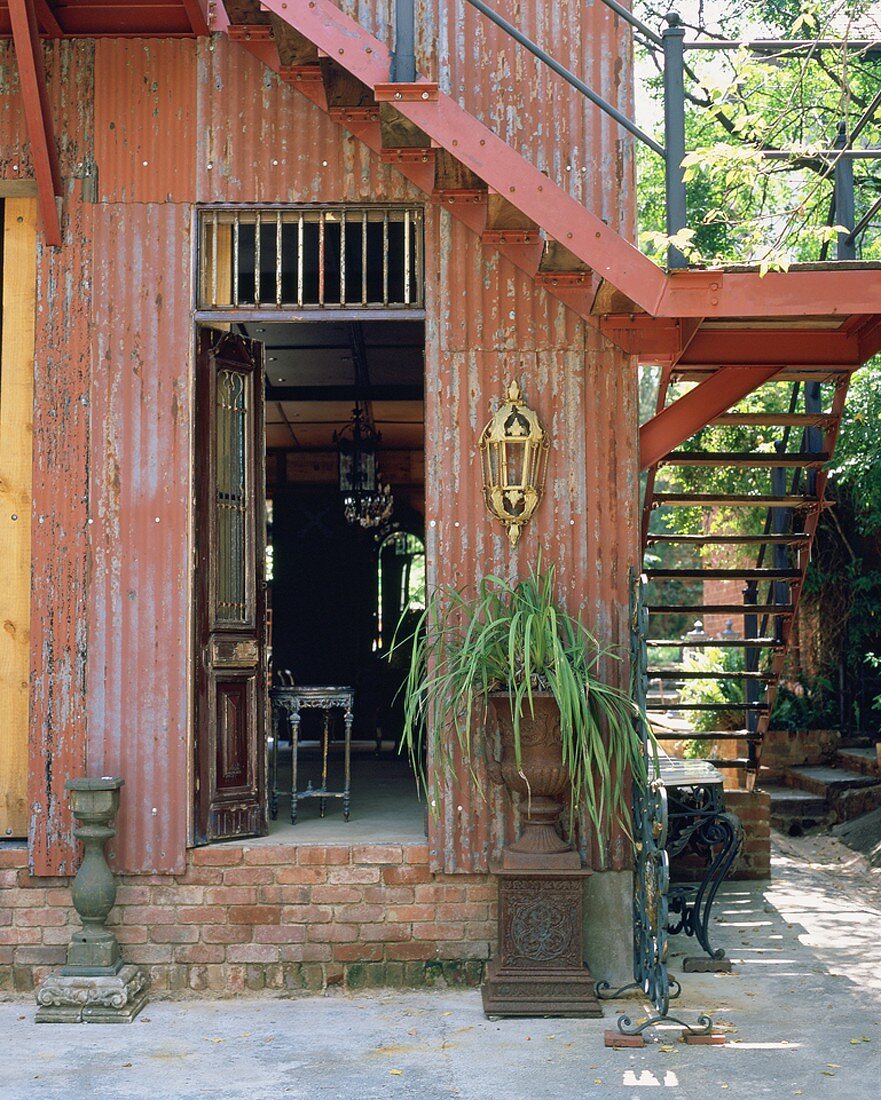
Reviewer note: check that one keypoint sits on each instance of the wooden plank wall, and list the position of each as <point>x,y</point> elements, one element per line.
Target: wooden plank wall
<point>16,452</point>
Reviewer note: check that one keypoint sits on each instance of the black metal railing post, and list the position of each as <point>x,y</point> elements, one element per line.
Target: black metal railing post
<point>404,56</point>
<point>781,519</point>
<point>673,37</point>
<point>751,664</point>
<point>844,198</point>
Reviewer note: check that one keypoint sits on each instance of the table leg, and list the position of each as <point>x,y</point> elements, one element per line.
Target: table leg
<point>322,802</point>
<point>294,717</point>
<point>349,718</point>
<point>273,793</point>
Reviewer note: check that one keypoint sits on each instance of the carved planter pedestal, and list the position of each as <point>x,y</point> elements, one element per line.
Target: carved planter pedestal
<point>95,986</point>
<point>539,968</point>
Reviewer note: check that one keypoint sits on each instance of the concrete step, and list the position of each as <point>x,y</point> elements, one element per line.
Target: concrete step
<point>826,781</point>
<point>793,811</point>
<point>862,760</point>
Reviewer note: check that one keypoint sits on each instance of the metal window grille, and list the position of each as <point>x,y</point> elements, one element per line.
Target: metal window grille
<point>330,257</point>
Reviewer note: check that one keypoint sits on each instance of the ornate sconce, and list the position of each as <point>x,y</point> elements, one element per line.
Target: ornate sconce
<point>514,448</point>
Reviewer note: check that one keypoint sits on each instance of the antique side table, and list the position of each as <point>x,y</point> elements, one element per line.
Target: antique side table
<point>290,701</point>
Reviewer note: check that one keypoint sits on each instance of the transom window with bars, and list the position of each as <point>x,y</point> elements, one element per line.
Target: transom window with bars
<point>343,257</point>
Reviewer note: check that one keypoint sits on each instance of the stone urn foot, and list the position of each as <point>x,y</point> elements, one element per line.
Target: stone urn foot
<point>95,986</point>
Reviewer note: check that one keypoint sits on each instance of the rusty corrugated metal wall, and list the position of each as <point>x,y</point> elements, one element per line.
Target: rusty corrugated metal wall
<point>114,372</point>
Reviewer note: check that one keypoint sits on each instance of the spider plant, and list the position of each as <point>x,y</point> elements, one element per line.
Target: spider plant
<point>515,638</point>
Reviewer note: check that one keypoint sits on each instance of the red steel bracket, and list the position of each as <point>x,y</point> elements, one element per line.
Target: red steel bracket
<point>405,93</point>
<point>29,55</point>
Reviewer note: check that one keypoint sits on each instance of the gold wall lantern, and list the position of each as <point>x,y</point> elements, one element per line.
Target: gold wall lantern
<point>514,448</point>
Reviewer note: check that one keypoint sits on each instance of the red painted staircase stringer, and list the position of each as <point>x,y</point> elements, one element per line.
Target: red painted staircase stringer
<point>485,154</point>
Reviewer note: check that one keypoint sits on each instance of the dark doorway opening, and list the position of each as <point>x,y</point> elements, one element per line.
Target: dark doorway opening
<point>336,587</point>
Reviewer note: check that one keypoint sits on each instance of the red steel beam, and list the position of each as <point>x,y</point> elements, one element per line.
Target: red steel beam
<point>757,345</point>
<point>46,19</point>
<point>32,75</point>
<point>709,399</point>
<point>197,17</point>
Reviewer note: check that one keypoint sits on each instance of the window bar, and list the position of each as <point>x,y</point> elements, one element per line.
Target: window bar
<point>214,245</point>
<point>321,257</point>
<point>235,258</point>
<point>342,257</point>
<point>385,257</point>
<point>278,257</point>
<point>257,227</point>
<point>363,257</point>
<point>419,238</point>
<point>300,265</point>
<point>406,257</point>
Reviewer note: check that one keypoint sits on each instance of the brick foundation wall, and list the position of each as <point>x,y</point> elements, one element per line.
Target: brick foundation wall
<point>754,810</point>
<point>789,748</point>
<point>279,918</point>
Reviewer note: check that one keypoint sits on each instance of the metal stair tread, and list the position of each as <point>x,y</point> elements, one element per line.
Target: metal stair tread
<point>744,458</point>
<point>746,573</point>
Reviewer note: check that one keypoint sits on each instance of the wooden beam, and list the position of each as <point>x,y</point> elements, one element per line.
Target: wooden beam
<point>29,56</point>
<point>16,453</point>
<point>709,399</point>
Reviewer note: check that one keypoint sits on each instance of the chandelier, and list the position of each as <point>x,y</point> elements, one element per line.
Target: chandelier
<point>366,502</point>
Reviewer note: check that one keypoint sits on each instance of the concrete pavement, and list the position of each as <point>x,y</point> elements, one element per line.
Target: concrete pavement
<point>802,1012</point>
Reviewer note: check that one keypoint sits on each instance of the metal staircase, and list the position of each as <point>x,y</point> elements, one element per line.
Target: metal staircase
<point>766,534</point>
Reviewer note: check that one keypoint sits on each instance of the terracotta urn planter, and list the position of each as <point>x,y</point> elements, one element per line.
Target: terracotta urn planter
<point>542,782</point>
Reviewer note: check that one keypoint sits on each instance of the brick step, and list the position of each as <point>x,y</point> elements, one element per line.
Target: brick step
<point>825,781</point>
<point>859,759</point>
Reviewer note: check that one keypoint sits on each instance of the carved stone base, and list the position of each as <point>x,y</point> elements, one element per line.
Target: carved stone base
<point>106,999</point>
<point>539,968</point>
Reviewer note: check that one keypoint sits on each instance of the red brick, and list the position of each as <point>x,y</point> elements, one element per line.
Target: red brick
<point>306,914</point>
<point>332,933</point>
<point>617,1040</point>
<point>353,875</point>
<point>20,935</point>
<point>254,914</point>
<point>410,950</point>
<point>481,892</point>
<point>149,914</point>
<point>388,895</point>
<point>231,895</point>
<point>439,892</point>
<point>360,914</point>
<point>35,956</point>
<point>62,935</point>
<point>278,855</point>
<point>252,953</point>
<point>416,853</point>
<point>13,857</point>
<point>200,953</point>
<point>446,911</point>
<point>125,933</point>
<point>435,930</point>
<point>404,913</point>
<point>357,952</point>
<point>281,933</point>
<point>179,895</point>
<point>147,954</point>
<point>216,857</point>
<point>202,914</point>
<point>377,853</point>
<point>25,899</point>
<point>171,933</point>
<point>284,895</point>
<point>27,881</point>
<point>480,930</point>
<point>336,895</point>
<point>125,895</point>
<point>301,876</point>
<point>309,856</point>
<point>384,933</point>
<point>249,876</point>
<point>306,952</point>
<point>41,918</point>
<point>200,876</point>
<point>5,917</point>
<point>226,933</point>
<point>8,878</point>
<point>406,876</point>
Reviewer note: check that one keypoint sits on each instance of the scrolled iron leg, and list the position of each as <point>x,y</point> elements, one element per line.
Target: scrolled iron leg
<point>349,719</point>
<point>724,829</point>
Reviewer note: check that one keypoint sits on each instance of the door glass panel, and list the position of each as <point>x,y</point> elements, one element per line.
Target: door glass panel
<point>231,488</point>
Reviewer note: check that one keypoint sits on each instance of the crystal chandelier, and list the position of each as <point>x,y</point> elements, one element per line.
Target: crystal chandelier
<point>366,502</point>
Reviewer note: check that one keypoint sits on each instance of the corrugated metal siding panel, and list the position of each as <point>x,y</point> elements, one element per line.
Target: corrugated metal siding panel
<point>145,118</point>
<point>250,143</point>
<point>532,108</point>
<point>69,80</point>
<point>59,547</point>
<point>585,392</point>
<point>139,653</point>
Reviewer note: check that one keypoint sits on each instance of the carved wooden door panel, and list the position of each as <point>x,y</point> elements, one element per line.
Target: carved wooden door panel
<point>230,613</point>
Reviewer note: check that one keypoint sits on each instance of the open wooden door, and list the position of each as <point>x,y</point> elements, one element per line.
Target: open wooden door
<point>230,613</point>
